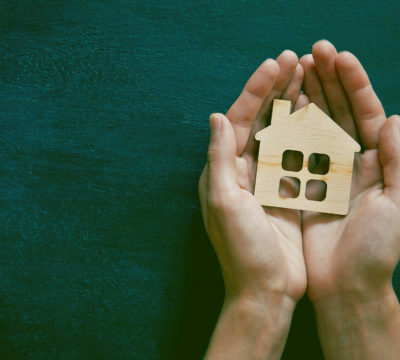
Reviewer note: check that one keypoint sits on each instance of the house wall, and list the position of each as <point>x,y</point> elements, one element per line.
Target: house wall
<point>270,171</point>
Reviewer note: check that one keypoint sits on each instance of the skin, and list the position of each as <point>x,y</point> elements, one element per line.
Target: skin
<point>350,259</point>
<point>259,249</point>
<point>269,256</point>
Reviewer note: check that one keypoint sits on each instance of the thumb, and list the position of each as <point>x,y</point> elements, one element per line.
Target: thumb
<point>221,157</point>
<point>389,155</point>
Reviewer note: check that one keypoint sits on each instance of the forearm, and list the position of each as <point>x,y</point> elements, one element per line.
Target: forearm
<point>248,329</point>
<point>353,327</point>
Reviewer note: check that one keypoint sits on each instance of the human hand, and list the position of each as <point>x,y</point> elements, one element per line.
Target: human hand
<point>350,259</point>
<point>259,249</point>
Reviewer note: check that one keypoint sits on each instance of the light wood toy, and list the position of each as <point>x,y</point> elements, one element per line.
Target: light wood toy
<point>304,134</point>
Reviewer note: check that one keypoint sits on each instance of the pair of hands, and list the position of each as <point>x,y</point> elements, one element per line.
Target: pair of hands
<point>273,255</point>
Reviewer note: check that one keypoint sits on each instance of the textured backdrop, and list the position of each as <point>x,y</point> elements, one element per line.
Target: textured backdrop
<point>103,131</point>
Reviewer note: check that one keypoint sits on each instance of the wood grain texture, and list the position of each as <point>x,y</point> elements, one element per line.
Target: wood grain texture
<point>308,131</point>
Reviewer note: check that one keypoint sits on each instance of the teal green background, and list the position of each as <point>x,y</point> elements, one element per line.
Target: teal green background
<point>103,133</point>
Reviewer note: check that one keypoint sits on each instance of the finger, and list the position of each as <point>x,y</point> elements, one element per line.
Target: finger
<point>324,54</point>
<point>221,158</point>
<point>292,90</point>
<point>287,64</point>
<point>244,110</point>
<point>302,101</point>
<point>389,156</point>
<point>312,85</point>
<point>366,107</point>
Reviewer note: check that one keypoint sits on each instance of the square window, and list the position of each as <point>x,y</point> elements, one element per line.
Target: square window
<point>318,164</point>
<point>316,190</point>
<point>292,160</point>
<point>289,187</point>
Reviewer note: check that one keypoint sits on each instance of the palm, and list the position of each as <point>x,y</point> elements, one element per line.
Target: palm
<point>281,235</point>
<point>263,242</point>
<point>337,241</point>
<point>338,248</point>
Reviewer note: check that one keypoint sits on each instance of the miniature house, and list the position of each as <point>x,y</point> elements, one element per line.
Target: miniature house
<point>307,134</point>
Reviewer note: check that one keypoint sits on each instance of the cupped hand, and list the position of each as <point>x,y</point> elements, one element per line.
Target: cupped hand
<point>259,248</point>
<point>354,254</point>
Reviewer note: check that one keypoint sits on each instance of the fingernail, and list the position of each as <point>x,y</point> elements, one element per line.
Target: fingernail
<point>215,122</point>
<point>397,122</point>
<point>395,119</point>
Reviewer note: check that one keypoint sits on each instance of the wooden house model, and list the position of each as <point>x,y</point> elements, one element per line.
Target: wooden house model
<point>307,134</point>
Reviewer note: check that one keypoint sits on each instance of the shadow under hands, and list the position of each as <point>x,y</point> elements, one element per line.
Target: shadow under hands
<point>204,291</point>
<point>303,342</point>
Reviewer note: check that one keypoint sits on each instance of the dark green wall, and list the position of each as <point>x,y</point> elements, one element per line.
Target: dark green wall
<point>103,129</point>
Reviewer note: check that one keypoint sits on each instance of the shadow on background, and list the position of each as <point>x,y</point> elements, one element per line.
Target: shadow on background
<point>204,291</point>
<point>303,342</point>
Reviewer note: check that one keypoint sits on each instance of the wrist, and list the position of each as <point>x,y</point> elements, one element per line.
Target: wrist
<point>251,328</point>
<point>264,290</point>
<point>274,307</point>
<point>354,294</point>
<point>347,322</point>
<point>353,302</point>
<point>349,285</point>
<point>269,318</point>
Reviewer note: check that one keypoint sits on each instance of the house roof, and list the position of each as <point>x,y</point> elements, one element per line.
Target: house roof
<point>309,122</point>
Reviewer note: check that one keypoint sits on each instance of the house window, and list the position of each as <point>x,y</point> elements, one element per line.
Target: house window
<point>318,164</point>
<point>289,187</point>
<point>316,190</point>
<point>292,160</point>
